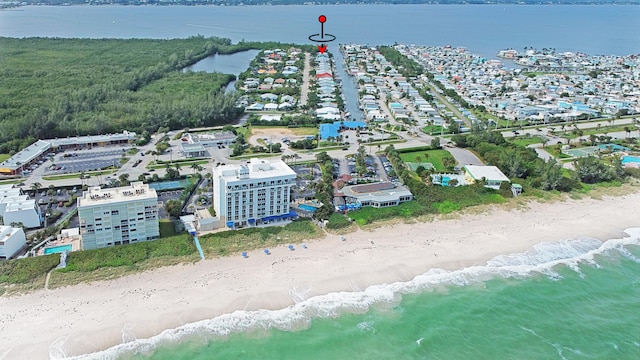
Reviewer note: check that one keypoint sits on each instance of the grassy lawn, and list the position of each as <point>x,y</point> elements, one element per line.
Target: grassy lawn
<point>325,148</point>
<point>77,175</point>
<point>435,130</point>
<point>256,155</point>
<point>432,156</point>
<point>13,181</point>
<point>244,130</point>
<point>167,229</point>
<point>524,141</point>
<point>556,152</point>
<point>298,131</point>
<point>4,157</point>
<point>568,134</point>
<point>183,164</point>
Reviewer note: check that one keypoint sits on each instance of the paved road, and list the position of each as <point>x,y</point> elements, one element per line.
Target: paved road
<point>305,80</point>
<point>445,102</point>
<point>542,153</point>
<point>464,156</point>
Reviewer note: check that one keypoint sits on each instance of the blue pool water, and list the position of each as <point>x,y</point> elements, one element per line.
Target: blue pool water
<point>307,207</point>
<point>631,159</point>
<point>58,249</point>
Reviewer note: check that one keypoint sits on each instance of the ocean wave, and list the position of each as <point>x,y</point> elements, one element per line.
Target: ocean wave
<point>542,259</point>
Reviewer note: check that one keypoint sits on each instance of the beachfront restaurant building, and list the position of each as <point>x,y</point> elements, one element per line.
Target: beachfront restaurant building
<point>117,216</point>
<point>490,175</point>
<point>253,193</point>
<point>12,240</point>
<point>379,195</point>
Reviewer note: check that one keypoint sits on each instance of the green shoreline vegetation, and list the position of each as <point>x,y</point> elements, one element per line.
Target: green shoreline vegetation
<point>68,87</point>
<point>540,180</point>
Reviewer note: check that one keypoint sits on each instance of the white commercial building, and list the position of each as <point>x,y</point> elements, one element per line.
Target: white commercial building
<point>36,151</point>
<point>23,211</point>
<point>123,215</point>
<point>257,192</point>
<point>16,207</point>
<point>12,240</point>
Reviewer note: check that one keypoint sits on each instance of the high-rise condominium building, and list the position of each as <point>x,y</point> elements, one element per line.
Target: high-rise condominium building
<point>253,193</point>
<point>123,215</point>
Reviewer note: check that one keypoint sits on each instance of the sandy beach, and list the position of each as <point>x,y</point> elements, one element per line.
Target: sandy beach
<point>91,317</point>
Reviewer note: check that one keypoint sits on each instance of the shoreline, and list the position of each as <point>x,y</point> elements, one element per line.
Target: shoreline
<point>87,318</point>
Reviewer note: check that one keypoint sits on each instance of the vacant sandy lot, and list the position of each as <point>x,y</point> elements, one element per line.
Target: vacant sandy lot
<point>276,134</point>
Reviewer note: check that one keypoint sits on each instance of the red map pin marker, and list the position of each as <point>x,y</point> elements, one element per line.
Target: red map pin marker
<point>322,19</point>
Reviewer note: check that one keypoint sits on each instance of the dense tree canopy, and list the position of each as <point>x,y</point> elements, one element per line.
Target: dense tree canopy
<point>67,87</point>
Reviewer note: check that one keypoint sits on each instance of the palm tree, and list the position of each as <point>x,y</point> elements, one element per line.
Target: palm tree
<point>36,186</point>
<point>124,179</point>
<point>195,167</point>
<point>627,131</point>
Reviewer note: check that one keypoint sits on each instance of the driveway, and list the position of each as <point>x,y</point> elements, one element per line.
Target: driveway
<point>542,153</point>
<point>464,156</point>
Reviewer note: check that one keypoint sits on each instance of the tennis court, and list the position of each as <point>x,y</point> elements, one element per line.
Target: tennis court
<point>591,150</point>
<point>413,166</point>
<point>581,152</point>
<point>167,185</point>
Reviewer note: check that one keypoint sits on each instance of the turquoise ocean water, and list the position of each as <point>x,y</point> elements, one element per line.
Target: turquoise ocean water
<point>576,299</point>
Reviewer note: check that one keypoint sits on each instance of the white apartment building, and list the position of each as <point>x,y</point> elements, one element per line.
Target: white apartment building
<point>253,193</point>
<point>26,212</point>
<point>12,240</point>
<point>117,216</point>
<point>16,207</point>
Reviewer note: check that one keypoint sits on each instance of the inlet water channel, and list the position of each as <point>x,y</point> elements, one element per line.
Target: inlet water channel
<point>226,64</point>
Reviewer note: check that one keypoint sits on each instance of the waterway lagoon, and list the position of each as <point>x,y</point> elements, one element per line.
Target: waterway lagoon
<point>483,29</point>
<point>234,64</point>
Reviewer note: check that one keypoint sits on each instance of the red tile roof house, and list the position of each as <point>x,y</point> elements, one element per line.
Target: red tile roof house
<point>324,75</point>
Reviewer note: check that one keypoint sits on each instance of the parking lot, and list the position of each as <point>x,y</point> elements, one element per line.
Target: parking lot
<point>306,176</point>
<point>73,161</point>
<point>51,202</point>
<point>163,197</point>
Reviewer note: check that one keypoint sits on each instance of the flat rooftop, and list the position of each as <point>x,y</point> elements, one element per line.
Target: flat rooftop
<point>41,146</point>
<point>195,147</point>
<point>382,191</point>
<point>255,169</point>
<point>135,191</point>
<point>490,173</point>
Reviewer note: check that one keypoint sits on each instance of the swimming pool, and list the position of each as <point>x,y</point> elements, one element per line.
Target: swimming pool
<point>307,207</point>
<point>57,249</point>
<point>631,159</point>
